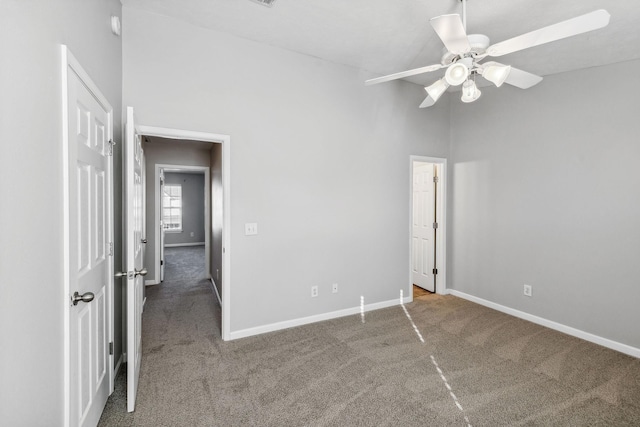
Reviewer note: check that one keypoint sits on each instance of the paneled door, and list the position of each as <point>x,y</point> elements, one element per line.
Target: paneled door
<point>162,225</point>
<point>423,232</point>
<point>89,266</point>
<point>134,220</point>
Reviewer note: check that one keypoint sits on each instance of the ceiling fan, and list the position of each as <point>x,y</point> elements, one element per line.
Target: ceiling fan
<point>463,54</point>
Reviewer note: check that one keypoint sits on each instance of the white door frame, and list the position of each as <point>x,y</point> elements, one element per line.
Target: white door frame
<point>441,212</point>
<point>225,140</point>
<point>69,62</point>
<point>207,214</point>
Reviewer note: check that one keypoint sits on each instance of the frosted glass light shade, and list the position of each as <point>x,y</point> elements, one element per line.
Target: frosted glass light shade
<point>470,91</point>
<point>497,73</point>
<point>436,90</point>
<point>456,73</point>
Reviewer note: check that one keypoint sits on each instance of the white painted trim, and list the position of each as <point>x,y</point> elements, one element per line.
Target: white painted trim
<point>215,291</point>
<point>69,62</point>
<point>605,342</point>
<point>243,333</point>
<point>66,254</point>
<point>225,140</point>
<point>179,245</point>
<point>181,134</point>
<point>207,213</point>
<point>441,232</point>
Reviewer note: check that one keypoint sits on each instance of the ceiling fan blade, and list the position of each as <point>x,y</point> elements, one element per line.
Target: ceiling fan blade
<point>571,27</point>
<point>403,74</point>
<point>428,102</point>
<point>522,79</point>
<point>451,31</point>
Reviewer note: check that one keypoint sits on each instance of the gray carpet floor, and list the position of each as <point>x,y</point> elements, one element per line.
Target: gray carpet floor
<point>461,365</point>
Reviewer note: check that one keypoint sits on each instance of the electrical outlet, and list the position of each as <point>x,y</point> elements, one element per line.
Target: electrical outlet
<point>314,291</point>
<point>527,290</point>
<point>334,288</point>
<point>192,234</point>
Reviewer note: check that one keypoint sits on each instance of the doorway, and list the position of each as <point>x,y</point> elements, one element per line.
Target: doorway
<point>217,209</point>
<point>182,212</point>
<point>428,224</point>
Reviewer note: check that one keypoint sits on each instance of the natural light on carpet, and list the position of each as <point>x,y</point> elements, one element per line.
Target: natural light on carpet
<point>433,360</point>
<point>415,328</point>
<point>453,396</point>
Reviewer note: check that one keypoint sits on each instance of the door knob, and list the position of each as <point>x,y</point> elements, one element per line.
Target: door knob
<point>86,297</point>
<point>131,275</point>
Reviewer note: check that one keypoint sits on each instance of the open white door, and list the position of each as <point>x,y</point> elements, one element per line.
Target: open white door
<point>162,227</point>
<point>134,178</point>
<point>423,230</point>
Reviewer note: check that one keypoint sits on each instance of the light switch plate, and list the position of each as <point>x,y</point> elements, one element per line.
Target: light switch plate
<point>251,228</point>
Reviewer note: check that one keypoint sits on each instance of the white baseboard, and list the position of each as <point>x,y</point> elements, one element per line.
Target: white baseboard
<point>215,291</point>
<point>605,342</point>
<point>151,282</point>
<point>312,319</point>
<point>178,245</point>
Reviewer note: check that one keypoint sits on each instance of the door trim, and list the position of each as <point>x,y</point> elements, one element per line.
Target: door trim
<point>441,212</point>
<point>70,63</point>
<point>207,215</point>
<point>225,140</point>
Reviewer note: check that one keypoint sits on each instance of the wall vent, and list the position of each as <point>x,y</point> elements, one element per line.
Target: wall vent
<point>267,3</point>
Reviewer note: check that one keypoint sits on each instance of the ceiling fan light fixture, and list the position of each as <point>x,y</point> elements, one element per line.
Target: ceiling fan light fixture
<point>436,90</point>
<point>470,91</point>
<point>457,73</point>
<point>497,74</point>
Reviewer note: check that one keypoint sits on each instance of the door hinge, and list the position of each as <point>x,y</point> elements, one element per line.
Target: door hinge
<point>110,248</point>
<point>161,262</point>
<point>435,271</point>
<point>435,179</point>
<point>111,348</point>
<point>112,144</point>
<point>435,225</point>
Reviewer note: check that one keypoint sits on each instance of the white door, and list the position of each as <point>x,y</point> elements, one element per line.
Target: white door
<point>423,219</point>
<point>162,228</point>
<point>134,177</point>
<point>90,265</point>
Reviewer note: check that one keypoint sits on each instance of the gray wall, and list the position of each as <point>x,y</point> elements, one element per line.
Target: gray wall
<point>318,160</point>
<point>544,191</point>
<point>217,217</point>
<point>31,329</point>
<point>192,208</point>
<point>167,152</point>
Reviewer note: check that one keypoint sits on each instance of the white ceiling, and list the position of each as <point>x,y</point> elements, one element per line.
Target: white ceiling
<point>388,36</point>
